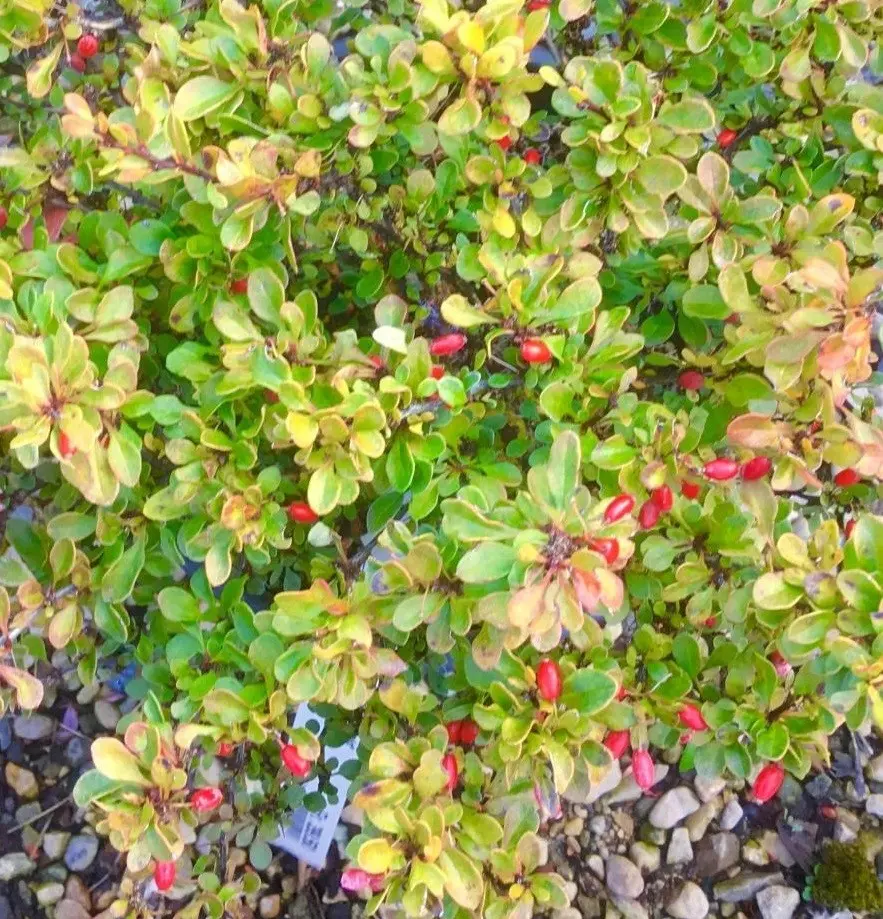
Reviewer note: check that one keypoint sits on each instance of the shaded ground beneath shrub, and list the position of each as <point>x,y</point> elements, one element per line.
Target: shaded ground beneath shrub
<point>695,849</point>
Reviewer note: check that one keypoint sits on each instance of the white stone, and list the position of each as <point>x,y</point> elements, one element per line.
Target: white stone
<point>674,806</point>
<point>778,902</point>
<point>689,902</point>
<point>874,805</point>
<point>732,815</point>
<point>680,851</point>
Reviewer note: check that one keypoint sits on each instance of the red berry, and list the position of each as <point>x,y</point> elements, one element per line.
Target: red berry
<point>239,286</point>
<point>449,764</point>
<point>648,515</point>
<point>691,717</point>
<point>847,477</point>
<point>756,468</point>
<point>849,527</point>
<point>225,749</point>
<point>662,498</point>
<point>377,361</point>
<point>691,379</point>
<point>447,344</point>
<point>4,217</point>
<point>607,548</point>
<point>532,156</point>
<point>618,508</point>
<point>301,512</point>
<point>164,875</point>
<point>721,469</point>
<point>768,782</point>
<point>828,811</point>
<point>437,372</point>
<point>621,693</point>
<point>88,46</point>
<point>549,680</point>
<point>355,880</point>
<point>534,5</point>
<point>65,447</point>
<point>78,63</point>
<point>643,769</point>
<point>206,799</point>
<point>455,731</point>
<point>710,622</point>
<point>468,732</point>
<point>690,490</point>
<point>617,742</point>
<point>726,138</point>
<point>505,142</point>
<point>294,762</point>
<point>534,351</point>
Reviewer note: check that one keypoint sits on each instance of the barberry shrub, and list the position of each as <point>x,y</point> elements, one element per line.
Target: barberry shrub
<point>493,378</point>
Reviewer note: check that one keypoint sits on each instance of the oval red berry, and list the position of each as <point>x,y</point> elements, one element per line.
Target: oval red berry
<point>532,156</point>
<point>164,875</point>
<point>468,732</point>
<point>534,351</point>
<point>301,512</point>
<point>662,498</point>
<point>768,782</point>
<point>549,680</point>
<point>648,515</point>
<point>455,731</point>
<point>721,469</point>
<point>294,762</point>
<point>726,138</point>
<point>206,799</point>
<point>87,46</point>
<point>847,477</point>
<point>608,549</point>
<point>756,468</point>
<point>617,742</point>
<point>691,379</point>
<point>691,717</point>
<point>618,508</point>
<point>690,490</point>
<point>449,764</point>
<point>445,345</point>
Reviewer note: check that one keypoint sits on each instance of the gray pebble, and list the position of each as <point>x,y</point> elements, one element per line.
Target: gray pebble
<point>623,878</point>
<point>689,902</point>
<point>778,902</point>
<point>15,865</point>
<point>33,727</point>
<point>673,807</point>
<point>680,851</point>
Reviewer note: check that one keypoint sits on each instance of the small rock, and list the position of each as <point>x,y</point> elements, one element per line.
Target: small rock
<point>874,769</point>
<point>569,912</point>
<point>745,886</point>
<point>107,714</point>
<point>755,854</point>
<point>70,909</point>
<point>76,890</point>
<point>626,823</point>
<point>627,790</point>
<point>652,834</point>
<point>732,815</point>
<point>777,849</point>
<point>5,908</point>
<point>778,902</point>
<point>47,894</point>
<point>33,727</point>
<point>598,825</point>
<point>717,853</point>
<point>708,788</point>
<point>623,878</point>
<point>270,906</point>
<point>596,866</point>
<point>646,856</point>
<point>847,826</point>
<point>54,844</point>
<point>22,781</point>
<point>81,852</point>
<point>874,805</point>
<point>698,823</point>
<point>589,907</point>
<point>673,807</point>
<point>630,909</point>
<point>15,865</point>
<point>76,751</point>
<point>679,849</point>
<point>574,826</point>
<point>689,902</point>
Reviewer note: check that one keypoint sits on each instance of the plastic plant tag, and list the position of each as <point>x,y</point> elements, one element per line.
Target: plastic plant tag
<point>309,835</point>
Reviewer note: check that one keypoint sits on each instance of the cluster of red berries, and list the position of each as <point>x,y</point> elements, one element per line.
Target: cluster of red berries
<point>87,47</point>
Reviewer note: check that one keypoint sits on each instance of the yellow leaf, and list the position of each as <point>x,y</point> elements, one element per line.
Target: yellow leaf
<point>40,73</point>
<point>113,760</point>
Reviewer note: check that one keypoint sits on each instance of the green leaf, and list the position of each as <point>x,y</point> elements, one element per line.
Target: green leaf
<point>119,580</point>
<point>178,605</point>
<point>689,116</point>
<point>457,311</point>
<point>487,562</point>
<point>200,96</point>
<point>772,592</point>
<point>462,879</point>
<point>564,472</point>
<point>588,691</point>
<point>705,302</point>
<point>661,175</point>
